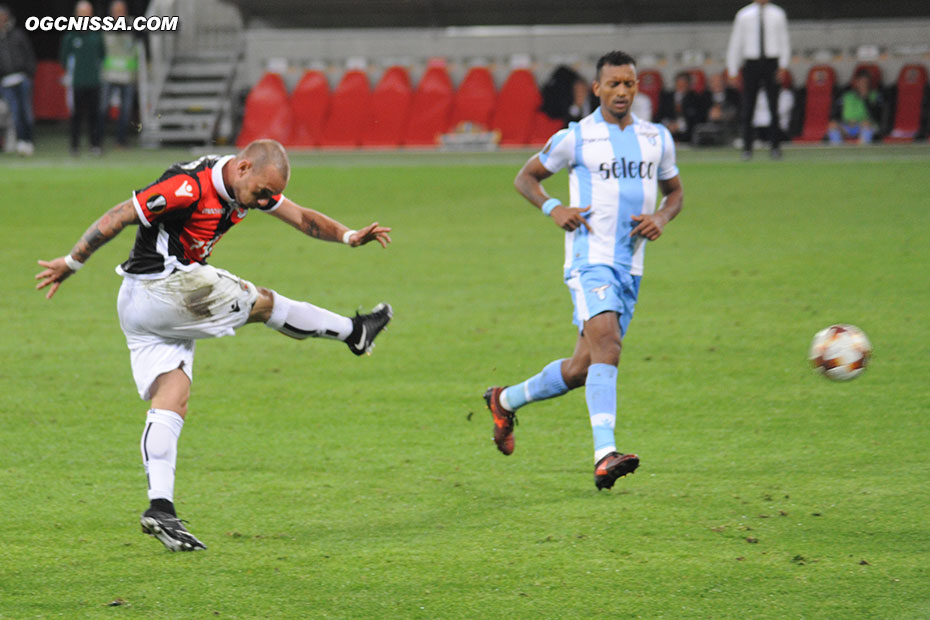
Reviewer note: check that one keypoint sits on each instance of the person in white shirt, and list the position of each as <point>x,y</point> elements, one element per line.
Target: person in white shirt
<point>760,44</point>
<point>618,164</point>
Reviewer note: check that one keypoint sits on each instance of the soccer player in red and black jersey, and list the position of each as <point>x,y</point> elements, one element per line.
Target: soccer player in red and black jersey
<point>171,297</point>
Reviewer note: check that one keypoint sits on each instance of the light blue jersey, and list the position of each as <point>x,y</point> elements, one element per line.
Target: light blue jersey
<point>615,171</point>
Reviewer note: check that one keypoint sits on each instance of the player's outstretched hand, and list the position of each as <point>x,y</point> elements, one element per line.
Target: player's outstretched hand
<point>372,232</point>
<point>570,218</point>
<point>56,271</point>
<point>649,226</point>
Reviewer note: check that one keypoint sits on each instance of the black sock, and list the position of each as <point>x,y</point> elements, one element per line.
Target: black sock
<point>163,505</point>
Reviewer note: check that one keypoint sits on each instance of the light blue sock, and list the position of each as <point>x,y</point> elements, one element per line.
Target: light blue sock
<point>547,384</point>
<point>601,395</point>
<point>834,136</point>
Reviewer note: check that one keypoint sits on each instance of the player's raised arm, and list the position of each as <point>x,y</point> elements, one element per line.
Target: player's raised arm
<point>651,226</point>
<point>105,228</point>
<point>321,226</point>
<point>529,184</point>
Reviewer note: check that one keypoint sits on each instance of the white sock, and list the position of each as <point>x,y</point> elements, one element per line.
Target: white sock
<point>504,402</point>
<point>299,319</point>
<point>160,451</point>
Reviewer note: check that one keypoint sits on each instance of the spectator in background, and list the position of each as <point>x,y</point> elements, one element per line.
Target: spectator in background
<point>722,101</point>
<point>722,105</point>
<point>566,95</point>
<point>681,110</point>
<point>760,43</point>
<point>642,107</point>
<point>762,117</point>
<point>82,53</point>
<point>860,109</point>
<point>17,67</point>
<point>119,74</point>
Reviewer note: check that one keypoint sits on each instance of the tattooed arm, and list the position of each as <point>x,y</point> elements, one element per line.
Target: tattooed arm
<point>321,226</point>
<point>108,226</point>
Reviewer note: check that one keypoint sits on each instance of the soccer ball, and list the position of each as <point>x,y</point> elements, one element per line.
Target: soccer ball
<point>840,352</point>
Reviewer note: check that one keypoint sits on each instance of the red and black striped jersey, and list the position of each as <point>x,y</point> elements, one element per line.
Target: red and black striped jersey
<point>183,214</point>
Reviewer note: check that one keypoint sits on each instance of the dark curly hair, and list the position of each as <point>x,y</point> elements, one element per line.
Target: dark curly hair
<point>614,58</point>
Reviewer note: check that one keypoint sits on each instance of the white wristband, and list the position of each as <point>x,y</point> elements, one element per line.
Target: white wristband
<point>549,205</point>
<point>346,235</point>
<point>72,264</point>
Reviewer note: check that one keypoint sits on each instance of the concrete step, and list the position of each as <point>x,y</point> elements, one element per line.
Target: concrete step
<point>185,120</point>
<point>178,135</point>
<point>201,70</point>
<point>207,56</point>
<point>193,104</point>
<point>198,87</point>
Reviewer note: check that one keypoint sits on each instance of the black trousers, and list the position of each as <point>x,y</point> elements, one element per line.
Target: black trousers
<point>86,109</point>
<point>760,73</point>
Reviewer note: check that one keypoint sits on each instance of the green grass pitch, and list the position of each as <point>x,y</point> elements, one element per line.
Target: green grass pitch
<point>328,486</point>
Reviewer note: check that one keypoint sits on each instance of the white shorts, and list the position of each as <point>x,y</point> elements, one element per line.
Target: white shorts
<point>162,318</point>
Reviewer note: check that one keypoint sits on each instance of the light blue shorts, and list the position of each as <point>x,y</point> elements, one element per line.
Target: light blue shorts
<point>602,288</point>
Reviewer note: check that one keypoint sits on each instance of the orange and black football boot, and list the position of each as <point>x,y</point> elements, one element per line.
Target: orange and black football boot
<point>504,420</point>
<point>612,467</point>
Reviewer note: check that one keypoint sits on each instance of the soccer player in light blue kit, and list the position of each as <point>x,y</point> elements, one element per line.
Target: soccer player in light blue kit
<point>616,164</point>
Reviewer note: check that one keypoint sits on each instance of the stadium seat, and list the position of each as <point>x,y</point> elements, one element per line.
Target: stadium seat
<point>650,84</point>
<point>474,99</point>
<point>543,128</point>
<point>350,102</point>
<point>818,104</point>
<point>49,100</point>
<point>516,108</point>
<point>387,118</point>
<point>698,80</point>
<point>875,73</point>
<point>267,112</point>
<point>911,92</point>
<point>430,109</point>
<point>309,104</point>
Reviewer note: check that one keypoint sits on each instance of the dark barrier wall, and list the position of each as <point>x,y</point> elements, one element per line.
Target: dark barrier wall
<point>441,13</point>
<point>420,13</point>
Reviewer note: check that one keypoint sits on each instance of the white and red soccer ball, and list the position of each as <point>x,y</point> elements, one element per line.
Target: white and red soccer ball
<point>840,352</point>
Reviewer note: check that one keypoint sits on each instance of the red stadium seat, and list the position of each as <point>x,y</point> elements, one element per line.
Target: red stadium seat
<point>267,112</point>
<point>474,99</point>
<point>875,72</point>
<point>821,80</point>
<point>516,108</point>
<point>309,104</point>
<point>650,85</point>
<point>698,80</point>
<point>543,128</point>
<point>49,101</point>
<point>430,109</point>
<point>912,88</point>
<point>388,117</point>
<point>349,104</point>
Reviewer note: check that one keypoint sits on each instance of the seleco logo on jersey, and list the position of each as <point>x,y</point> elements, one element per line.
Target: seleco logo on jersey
<point>624,169</point>
<point>156,203</point>
<point>186,190</point>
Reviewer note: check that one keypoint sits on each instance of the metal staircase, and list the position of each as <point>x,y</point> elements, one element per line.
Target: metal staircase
<point>195,93</point>
<point>185,89</point>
